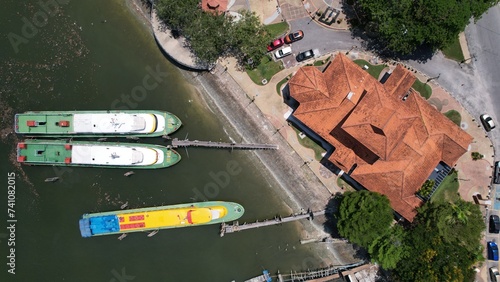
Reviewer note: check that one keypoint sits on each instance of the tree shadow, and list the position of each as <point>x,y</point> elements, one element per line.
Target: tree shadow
<point>331,214</point>
<point>330,226</point>
<point>371,42</point>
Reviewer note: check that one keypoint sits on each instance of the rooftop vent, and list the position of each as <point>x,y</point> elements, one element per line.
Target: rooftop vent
<point>406,96</point>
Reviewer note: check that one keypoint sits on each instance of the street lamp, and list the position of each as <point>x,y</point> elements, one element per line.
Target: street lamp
<point>432,78</point>
<point>253,99</point>
<point>353,47</point>
<point>465,60</point>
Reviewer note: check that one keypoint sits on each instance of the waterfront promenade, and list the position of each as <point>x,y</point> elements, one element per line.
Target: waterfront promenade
<point>304,180</point>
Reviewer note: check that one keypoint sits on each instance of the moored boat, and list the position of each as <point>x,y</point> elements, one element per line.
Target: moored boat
<point>95,154</point>
<point>127,123</point>
<point>156,218</point>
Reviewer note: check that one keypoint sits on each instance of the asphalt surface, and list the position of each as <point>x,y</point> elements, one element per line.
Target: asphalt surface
<point>474,83</point>
<point>321,40</point>
<point>484,44</point>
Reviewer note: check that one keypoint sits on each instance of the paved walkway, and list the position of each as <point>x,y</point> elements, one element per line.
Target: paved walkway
<point>174,48</point>
<point>474,176</point>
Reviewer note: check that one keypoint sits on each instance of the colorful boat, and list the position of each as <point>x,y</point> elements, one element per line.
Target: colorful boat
<point>133,123</point>
<point>95,154</point>
<point>164,217</point>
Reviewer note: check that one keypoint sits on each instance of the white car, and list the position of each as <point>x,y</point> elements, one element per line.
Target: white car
<point>494,274</point>
<point>283,52</point>
<point>487,122</point>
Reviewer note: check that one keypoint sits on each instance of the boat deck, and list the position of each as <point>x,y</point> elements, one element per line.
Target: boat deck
<point>58,124</point>
<point>173,217</point>
<point>45,153</point>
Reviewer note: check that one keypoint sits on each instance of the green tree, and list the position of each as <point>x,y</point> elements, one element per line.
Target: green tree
<point>388,249</point>
<point>177,14</point>
<point>404,25</point>
<point>248,37</point>
<point>211,35</point>
<point>443,244</point>
<point>364,216</point>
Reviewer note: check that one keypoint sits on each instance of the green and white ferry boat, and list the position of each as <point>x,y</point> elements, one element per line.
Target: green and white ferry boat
<point>122,123</point>
<point>95,154</point>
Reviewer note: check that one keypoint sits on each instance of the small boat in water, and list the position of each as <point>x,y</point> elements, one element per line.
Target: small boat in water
<point>95,154</point>
<point>124,205</point>
<point>51,179</point>
<point>153,233</point>
<point>156,218</point>
<point>124,123</point>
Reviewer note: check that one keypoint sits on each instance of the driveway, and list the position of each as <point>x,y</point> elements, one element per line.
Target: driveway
<point>318,38</point>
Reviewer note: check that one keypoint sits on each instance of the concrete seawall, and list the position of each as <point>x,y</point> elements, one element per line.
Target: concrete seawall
<point>174,48</point>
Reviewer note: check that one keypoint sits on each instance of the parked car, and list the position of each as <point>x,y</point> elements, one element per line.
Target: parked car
<point>277,43</point>
<point>494,224</point>
<point>294,36</point>
<point>494,274</point>
<point>492,251</point>
<point>496,173</point>
<point>487,122</point>
<point>305,55</point>
<point>283,52</point>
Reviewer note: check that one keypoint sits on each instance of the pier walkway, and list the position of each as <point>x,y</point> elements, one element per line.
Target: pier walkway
<point>329,273</point>
<point>236,227</point>
<point>196,143</point>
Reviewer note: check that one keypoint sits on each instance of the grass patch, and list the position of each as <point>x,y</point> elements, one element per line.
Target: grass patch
<point>422,88</point>
<point>372,69</point>
<point>265,70</point>
<point>277,29</point>
<point>278,86</point>
<point>448,190</point>
<point>454,116</point>
<point>454,51</point>
<point>318,63</point>
<point>341,183</point>
<point>309,143</point>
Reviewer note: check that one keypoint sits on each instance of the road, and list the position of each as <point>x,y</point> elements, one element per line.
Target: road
<point>475,83</point>
<point>321,40</point>
<point>484,44</point>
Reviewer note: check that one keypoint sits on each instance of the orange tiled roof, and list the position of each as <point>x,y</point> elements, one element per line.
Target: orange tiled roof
<point>214,5</point>
<point>386,135</point>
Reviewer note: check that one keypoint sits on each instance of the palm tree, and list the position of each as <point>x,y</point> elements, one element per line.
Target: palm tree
<point>461,213</point>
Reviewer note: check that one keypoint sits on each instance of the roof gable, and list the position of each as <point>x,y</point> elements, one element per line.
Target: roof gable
<point>386,135</point>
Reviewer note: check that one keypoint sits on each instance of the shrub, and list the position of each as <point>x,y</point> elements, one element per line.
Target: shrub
<point>476,156</point>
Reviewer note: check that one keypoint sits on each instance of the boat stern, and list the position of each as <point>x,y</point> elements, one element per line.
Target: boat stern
<point>85,228</point>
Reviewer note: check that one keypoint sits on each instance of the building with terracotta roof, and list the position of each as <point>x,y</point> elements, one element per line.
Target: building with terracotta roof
<point>385,136</point>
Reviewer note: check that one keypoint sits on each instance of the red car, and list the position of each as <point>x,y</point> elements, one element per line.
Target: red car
<point>277,43</point>
<point>294,36</point>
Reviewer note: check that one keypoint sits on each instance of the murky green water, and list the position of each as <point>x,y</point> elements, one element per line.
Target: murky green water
<point>96,55</point>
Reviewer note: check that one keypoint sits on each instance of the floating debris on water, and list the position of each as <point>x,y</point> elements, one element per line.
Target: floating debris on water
<point>51,179</point>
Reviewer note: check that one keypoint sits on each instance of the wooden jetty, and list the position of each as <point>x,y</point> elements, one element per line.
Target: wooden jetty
<point>319,275</point>
<point>236,227</point>
<point>196,143</point>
